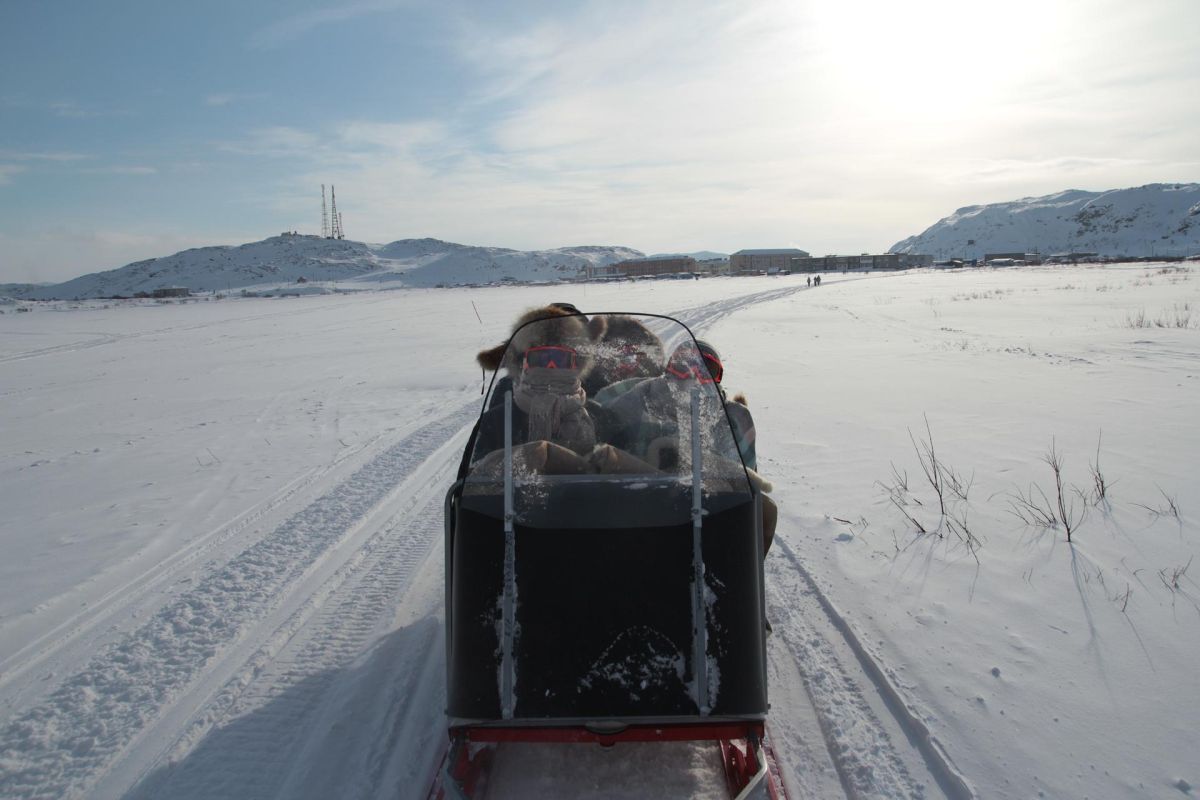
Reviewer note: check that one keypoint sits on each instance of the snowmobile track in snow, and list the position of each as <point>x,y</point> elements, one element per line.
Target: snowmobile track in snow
<point>278,693</point>
<point>865,735</point>
<point>700,318</point>
<point>86,629</point>
<point>208,634</point>
<point>103,338</point>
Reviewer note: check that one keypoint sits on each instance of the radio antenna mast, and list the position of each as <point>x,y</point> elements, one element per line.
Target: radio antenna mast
<point>324,215</point>
<point>335,217</point>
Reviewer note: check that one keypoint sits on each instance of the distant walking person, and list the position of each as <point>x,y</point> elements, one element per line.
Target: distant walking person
<point>808,280</point>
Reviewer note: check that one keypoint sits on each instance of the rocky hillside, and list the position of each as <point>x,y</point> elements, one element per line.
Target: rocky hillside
<point>1161,219</point>
<point>315,263</point>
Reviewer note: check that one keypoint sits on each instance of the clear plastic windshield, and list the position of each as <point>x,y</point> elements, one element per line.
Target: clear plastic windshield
<point>625,398</point>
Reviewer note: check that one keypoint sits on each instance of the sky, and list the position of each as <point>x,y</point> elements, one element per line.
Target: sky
<point>133,129</point>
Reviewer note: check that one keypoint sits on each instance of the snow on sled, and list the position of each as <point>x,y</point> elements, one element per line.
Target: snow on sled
<point>604,577</point>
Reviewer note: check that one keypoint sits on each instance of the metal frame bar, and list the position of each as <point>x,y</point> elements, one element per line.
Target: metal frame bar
<point>698,732</point>
<point>699,607</point>
<point>508,610</point>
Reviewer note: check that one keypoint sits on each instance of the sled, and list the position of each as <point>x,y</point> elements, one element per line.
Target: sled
<point>611,595</point>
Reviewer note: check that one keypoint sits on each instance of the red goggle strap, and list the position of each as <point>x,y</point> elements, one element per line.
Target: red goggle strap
<point>715,367</point>
<point>697,371</point>
<point>566,360</point>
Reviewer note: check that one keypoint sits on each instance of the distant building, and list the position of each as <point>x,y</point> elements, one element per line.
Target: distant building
<point>713,266</point>
<point>1022,257</point>
<point>1073,258</point>
<point>171,291</point>
<point>866,261</point>
<point>754,261</point>
<point>642,267</point>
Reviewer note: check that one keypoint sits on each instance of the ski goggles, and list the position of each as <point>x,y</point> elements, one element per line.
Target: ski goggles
<point>703,367</point>
<point>628,359</point>
<point>550,357</point>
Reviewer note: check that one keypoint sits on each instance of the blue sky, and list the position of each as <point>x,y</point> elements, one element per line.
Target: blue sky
<point>135,129</point>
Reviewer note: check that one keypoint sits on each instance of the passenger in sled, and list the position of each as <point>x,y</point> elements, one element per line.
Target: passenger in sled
<point>555,428</point>
<point>552,429</point>
<point>641,417</point>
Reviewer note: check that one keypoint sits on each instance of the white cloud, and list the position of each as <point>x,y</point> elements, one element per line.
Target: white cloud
<point>8,170</point>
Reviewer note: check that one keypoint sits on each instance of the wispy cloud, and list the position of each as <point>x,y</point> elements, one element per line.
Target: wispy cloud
<point>294,27</point>
<point>220,99</point>
<point>118,169</point>
<point>8,170</point>
<point>73,110</point>
<point>70,109</point>
<point>277,141</point>
<point>1063,167</point>
<point>25,155</point>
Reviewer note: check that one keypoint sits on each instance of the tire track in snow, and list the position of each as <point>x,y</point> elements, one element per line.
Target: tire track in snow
<point>62,746</point>
<point>98,613</point>
<point>260,730</point>
<point>112,338</point>
<point>700,318</point>
<point>871,760</point>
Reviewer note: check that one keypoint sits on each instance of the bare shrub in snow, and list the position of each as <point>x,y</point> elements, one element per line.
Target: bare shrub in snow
<point>1137,319</point>
<point>1100,483</point>
<point>1067,515</point>
<point>1035,508</point>
<point>949,486</point>
<point>1178,315</point>
<point>1171,576</point>
<point>1032,510</point>
<point>1171,509</point>
<point>934,472</point>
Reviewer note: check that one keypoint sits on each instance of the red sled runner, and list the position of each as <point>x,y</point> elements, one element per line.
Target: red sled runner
<point>610,593</point>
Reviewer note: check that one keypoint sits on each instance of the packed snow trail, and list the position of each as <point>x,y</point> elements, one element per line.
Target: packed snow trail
<point>879,746</point>
<point>63,745</point>
<point>261,731</point>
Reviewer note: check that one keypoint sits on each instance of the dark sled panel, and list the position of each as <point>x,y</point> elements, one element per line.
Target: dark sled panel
<point>604,617</point>
<point>733,557</point>
<point>605,622</point>
<point>473,616</point>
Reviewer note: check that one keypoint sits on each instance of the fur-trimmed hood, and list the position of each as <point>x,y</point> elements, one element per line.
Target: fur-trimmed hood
<point>548,325</point>
<point>612,363</point>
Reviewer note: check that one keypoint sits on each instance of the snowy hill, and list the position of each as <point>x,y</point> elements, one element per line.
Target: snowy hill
<point>286,259</point>
<point>1160,219</point>
<point>699,255</point>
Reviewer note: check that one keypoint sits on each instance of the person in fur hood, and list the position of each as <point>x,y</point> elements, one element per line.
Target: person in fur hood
<point>626,352</point>
<point>546,358</point>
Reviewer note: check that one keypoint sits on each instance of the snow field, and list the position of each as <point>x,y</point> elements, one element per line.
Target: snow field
<point>223,527</point>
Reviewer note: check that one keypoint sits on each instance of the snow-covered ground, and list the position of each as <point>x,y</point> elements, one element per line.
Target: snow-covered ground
<point>221,532</point>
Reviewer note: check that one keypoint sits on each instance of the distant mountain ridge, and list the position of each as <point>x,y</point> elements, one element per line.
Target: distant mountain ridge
<point>1158,219</point>
<point>291,259</point>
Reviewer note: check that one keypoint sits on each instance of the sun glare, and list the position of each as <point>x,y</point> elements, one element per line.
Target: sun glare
<point>928,56</point>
